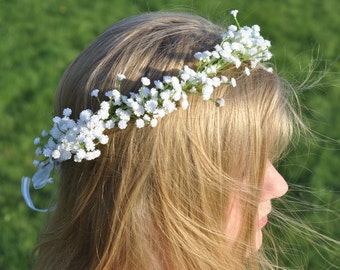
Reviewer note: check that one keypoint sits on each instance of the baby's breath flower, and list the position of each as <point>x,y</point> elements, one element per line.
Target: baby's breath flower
<point>247,71</point>
<point>145,81</point>
<point>220,102</point>
<point>38,151</point>
<point>169,106</point>
<point>165,95</point>
<point>121,77</point>
<point>151,105</point>
<point>159,84</point>
<point>67,112</point>
<point>224,79</point>
<point>36,163</point>
<point>103,139</point>
<point>184,102</point>
<point>94,93</point>
<point>122,124</point>
<point>207,90</point>
<point>153,122</point>
<point>110,124</point>
<point>234,13</point>
<point>140,123</point>
<point>270,70</point>
<point>36,141</point>
<point>56,154</point>
<point>233,82</point>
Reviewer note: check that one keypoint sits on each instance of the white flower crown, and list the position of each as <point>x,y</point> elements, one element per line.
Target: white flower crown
<point>78,139</point>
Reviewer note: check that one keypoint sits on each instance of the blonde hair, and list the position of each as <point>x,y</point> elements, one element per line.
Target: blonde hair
<point>157,198</point>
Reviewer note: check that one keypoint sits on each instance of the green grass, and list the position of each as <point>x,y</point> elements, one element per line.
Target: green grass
<point>38,39</point>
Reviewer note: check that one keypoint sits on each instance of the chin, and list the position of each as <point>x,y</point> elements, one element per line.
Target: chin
<point>258,239</point>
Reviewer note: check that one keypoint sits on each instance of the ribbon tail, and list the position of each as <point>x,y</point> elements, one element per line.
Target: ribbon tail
<point>25,191</point>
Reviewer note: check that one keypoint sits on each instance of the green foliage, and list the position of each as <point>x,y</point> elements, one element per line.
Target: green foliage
<point>40,38</point>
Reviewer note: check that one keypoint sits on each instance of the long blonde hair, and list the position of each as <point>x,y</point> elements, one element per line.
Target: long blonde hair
<point>157,198</point>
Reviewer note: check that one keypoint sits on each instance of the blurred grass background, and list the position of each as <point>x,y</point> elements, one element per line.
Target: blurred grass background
<point>39,39</point>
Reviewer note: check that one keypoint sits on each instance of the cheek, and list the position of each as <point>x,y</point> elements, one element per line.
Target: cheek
<point>234,221</point>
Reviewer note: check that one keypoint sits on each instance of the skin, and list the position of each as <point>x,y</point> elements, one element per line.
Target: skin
<point>274,186</point>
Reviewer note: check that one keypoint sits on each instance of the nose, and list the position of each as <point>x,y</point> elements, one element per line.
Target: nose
<point>274,185</point>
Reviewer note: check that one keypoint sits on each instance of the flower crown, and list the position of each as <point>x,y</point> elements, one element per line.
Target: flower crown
<point>79,139</point>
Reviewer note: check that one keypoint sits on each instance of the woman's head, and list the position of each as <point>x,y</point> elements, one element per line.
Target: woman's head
<point>162,198</point>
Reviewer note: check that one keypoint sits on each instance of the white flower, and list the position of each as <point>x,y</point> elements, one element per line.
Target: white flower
<point>184,101</point>
<point>138,109</point>
<point>231,28</point>
<point>36,141</point>
<point>110,124</point>
<point>123,114</point>
<point>169,106</point>
<point>47,152</point>
<point>146,118</point>
<point>95,93</point>
<point>55,132</point>
<point>216,82</point>
<point>145,81</point>
<point>233,82</point>
<point>190,73</point>
<point>234,13</point>
<point>211,69</point>
<point>144,92</point>
<point>165,95</point>
<point>153,122</point>
<point>167,79</point>
<point>65,155</point>
<point>202,56</point>
<point>207,90</point>
<point>92,155</point>
<point>151,106</point>
<point>193,90</point>
<point>67,112</point>
<point>36,163</point>
<point>224,79</point>
<point>80,155</point>
<point>247,71</point>
<point>140,123</point>
<point>154,93</point>
<point>103,113</point>
<point>215,54</point>
<point>103,139</point>
<point>56,154</point>
<point>237,62</point>
<point>220,102</point>
<point>270,70</point>
<point>161,113</point>
<point>159,84</point>
<point>56,119</point>
<point>256,28</point>
<point>38,151</point>
<point>85,115</point>
<point>122,124</point>
<point>115,95</point>
<point>121,77</point>
<point>177,94</point>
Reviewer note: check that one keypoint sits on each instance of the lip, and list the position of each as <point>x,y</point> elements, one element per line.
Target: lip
<point>262,222</point>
